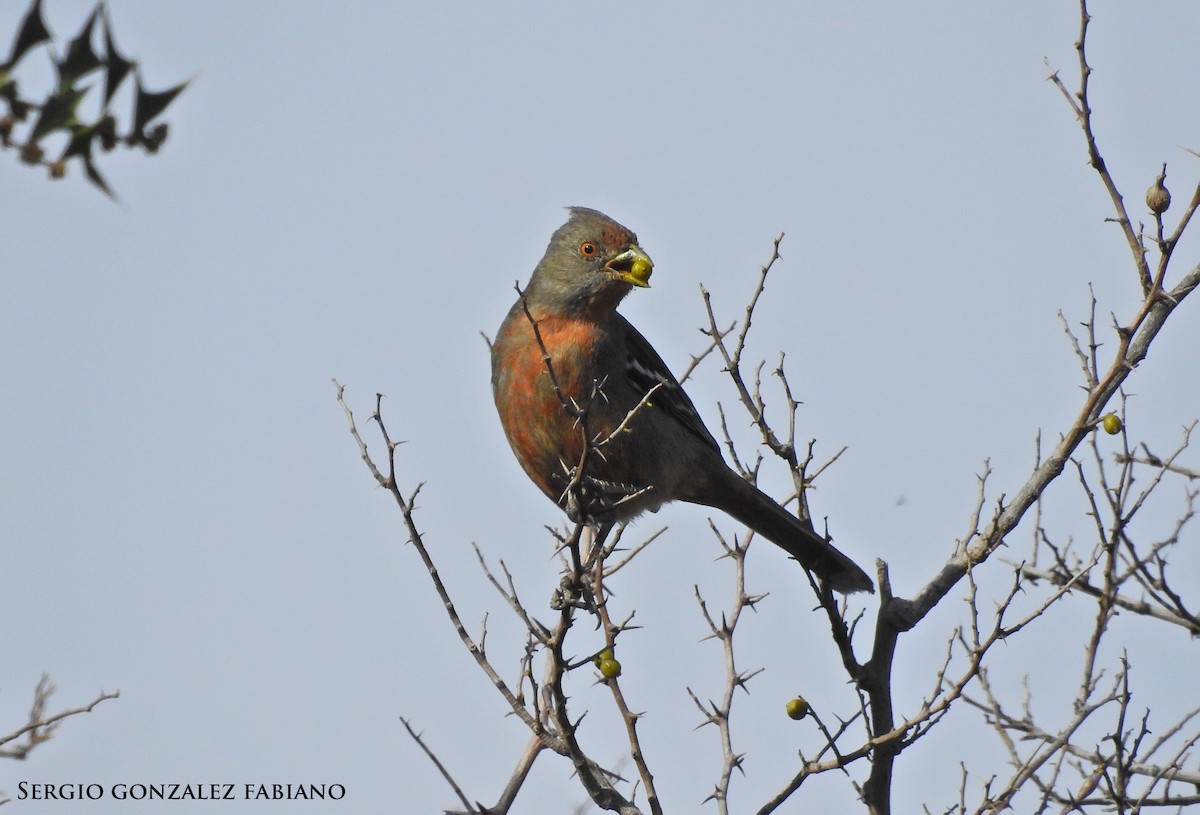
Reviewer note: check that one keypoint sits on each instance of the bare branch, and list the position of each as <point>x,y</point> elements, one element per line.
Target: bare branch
<point>41,728</point>
<point>467,806</point>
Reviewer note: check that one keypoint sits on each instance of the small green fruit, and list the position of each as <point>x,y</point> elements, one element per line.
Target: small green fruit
<point>1111,423</point>
<point>610,668</point>
<point>797,708</point>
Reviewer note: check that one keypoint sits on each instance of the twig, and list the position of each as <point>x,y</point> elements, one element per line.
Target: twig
<point>467,806</point>
<point>40,727</point>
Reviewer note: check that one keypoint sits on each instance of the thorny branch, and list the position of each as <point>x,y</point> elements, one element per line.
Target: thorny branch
<point>1128,769</point>
<point>989,529</point>
<point>545,709</point>
<point>718,714</point>
<point>41,727</point>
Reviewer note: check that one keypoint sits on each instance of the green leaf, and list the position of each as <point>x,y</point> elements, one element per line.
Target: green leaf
<point>80,143</point>
<point>81,58</point>
<point>116,66</point>
<point>150,104</point>
<point>33,32</point>
<point>94,176</point>
<point>58,112</point>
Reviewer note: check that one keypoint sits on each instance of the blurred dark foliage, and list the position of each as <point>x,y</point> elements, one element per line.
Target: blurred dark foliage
<point>27,123</point>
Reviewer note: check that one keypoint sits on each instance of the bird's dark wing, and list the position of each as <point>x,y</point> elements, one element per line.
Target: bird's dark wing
<point>644,369</point>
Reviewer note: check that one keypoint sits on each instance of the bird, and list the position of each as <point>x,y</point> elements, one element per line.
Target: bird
<point>595,417</point>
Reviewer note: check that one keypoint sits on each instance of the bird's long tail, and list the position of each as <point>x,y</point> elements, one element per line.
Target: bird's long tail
<point>754,508</point>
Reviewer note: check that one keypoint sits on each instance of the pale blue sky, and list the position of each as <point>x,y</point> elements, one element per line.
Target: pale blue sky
<point>351,190</point>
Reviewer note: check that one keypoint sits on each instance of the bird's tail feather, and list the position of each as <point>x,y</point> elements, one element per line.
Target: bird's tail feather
<point>754,508</point>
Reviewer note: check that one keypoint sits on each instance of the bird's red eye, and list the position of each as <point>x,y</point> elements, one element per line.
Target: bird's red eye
<point>587,249</point>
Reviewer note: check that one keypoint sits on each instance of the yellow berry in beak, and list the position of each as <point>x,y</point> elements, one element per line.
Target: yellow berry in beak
<point>633,266</point>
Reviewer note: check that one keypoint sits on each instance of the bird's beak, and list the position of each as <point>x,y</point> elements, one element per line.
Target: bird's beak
<point>633,266</point>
